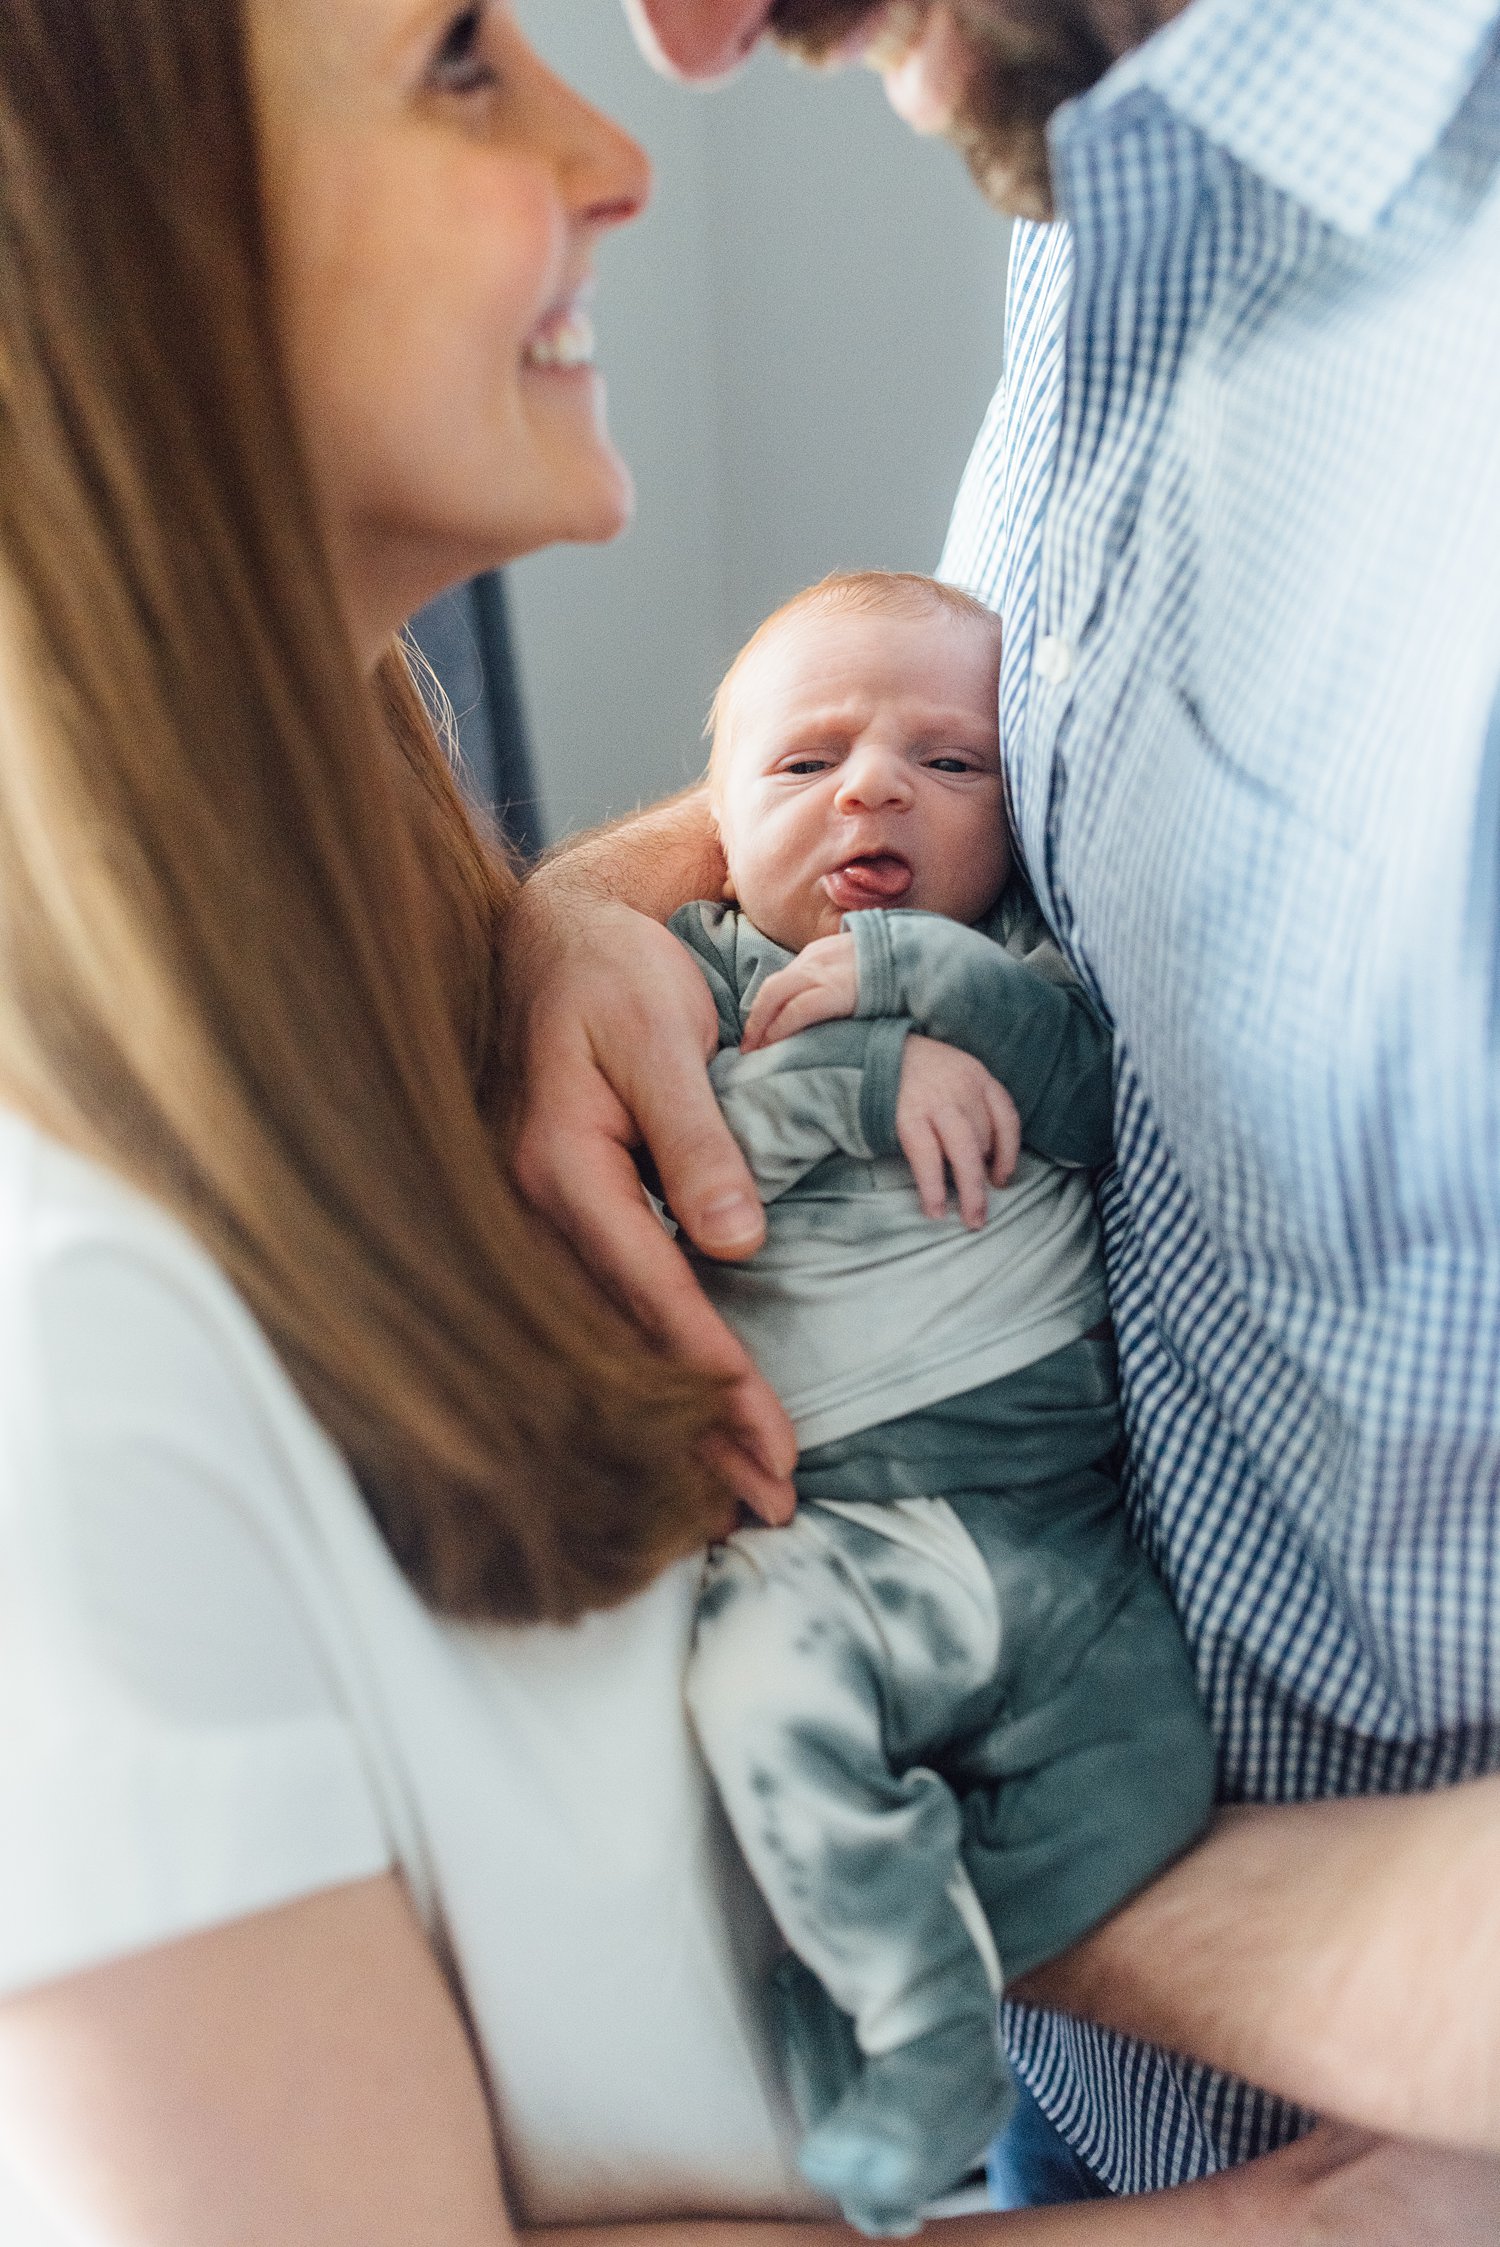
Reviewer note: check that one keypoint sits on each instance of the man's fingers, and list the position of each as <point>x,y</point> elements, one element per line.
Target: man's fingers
<point>623,1242</point>
<point>771,1498</point>
<point>619,1025</point>
<point>705,1179</point>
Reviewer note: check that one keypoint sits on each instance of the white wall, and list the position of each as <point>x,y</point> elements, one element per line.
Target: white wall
<point>800,339</point>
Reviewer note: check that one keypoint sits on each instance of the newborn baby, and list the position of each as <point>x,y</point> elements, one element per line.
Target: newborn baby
<point>948,1709</point>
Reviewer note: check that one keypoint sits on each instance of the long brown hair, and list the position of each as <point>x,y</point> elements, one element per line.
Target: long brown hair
<point>248,931</point>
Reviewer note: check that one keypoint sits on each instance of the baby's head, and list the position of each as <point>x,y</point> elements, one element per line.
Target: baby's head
<point>856,757</point>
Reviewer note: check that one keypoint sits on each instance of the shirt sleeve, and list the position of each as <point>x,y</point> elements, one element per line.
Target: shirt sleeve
<point>828,1090</point>
<point>1023,1018</point>
<point>173,1754</point>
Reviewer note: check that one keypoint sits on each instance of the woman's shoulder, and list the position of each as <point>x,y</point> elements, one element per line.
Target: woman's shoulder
<point>57,1207</point>
<point>148,1431</point>
<point>171,1753</point>
<point>108,1302</point>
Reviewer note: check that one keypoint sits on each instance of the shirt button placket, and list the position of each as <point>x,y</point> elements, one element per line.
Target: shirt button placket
<point>1053,661</point>
<point>1052,665</point>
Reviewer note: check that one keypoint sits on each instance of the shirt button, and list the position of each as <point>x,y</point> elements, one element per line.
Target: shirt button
<point>1053,660</point>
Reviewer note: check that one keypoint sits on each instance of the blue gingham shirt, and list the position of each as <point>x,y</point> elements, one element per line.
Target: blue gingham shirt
<point>1239,505</point>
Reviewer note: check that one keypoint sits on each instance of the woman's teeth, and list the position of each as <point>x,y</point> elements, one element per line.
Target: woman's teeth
<point>567,340</point>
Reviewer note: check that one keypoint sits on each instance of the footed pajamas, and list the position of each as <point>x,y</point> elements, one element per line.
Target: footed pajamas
<point>947,1708</point>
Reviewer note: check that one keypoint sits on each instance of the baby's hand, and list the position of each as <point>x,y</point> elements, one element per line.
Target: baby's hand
<point>954,1119</point>
<point>820,985</point>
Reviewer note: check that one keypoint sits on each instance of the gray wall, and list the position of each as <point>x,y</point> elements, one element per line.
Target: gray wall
<point>800,339</point>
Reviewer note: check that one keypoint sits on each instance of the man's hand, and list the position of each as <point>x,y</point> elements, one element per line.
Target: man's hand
<point>618,1027</point>
<point>820,985</point>
<point>954,1119</point>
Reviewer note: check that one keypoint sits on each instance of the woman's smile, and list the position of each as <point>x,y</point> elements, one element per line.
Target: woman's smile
<point>436,199</point>
<point>563,340</point>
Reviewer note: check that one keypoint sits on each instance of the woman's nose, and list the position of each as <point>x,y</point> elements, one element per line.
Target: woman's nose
<point>605,172</point>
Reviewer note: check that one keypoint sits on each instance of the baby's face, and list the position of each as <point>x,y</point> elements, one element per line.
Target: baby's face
<point>863,768</point>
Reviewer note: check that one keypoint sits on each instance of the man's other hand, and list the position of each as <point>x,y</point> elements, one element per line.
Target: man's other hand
<point>1343,2187</point>
<point>618,1029</point>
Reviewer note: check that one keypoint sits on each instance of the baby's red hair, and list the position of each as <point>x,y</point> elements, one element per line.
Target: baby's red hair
<point>857,593</point>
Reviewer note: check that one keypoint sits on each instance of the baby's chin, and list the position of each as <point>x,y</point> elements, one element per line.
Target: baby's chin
<point>792,922</point>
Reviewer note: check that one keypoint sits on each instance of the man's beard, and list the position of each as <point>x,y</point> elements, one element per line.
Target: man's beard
<point>1029,56</point>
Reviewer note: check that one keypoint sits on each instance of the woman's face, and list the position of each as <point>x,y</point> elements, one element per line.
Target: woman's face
<point>435,197</point>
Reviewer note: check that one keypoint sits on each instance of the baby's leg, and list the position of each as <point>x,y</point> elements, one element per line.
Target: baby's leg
<point>829,1658</point>
<point>1091,1765</point>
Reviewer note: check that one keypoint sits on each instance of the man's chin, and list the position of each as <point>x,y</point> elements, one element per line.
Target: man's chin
<point>1027,57</point>
<point>816,29</point>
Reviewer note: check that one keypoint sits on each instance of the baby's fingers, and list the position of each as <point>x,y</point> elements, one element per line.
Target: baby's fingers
<point>781,1005</point>
<point>793,1011</point>
<point>966,1149</point>
<point>820,985</point>
<point>774,994</point>
<point>1005,1130</point>
<point>923,1150</point>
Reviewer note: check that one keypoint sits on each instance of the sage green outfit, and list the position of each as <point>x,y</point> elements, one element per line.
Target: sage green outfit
<point>948,1708</point>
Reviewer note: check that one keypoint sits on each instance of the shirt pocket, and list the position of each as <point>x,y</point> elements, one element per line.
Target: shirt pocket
<point>1228,932</point>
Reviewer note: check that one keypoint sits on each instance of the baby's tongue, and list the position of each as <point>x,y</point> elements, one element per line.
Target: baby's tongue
<point>869,881</point>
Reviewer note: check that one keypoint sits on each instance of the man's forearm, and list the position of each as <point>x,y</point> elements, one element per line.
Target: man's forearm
<point>1344,1954</point>
<point>655,861</point>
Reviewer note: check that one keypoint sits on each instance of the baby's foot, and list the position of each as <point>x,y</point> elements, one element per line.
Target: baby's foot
<point>915,2123</point>
<point>814,2040</point>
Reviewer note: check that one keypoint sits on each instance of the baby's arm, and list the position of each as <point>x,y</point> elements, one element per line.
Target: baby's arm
<point>830,1090</point>
<point>867,1089</point>
<point>1025,1019</point>
<point>834,1091</point>
<point>863,1088</point>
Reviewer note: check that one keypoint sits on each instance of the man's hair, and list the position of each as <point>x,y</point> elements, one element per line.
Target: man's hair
<point>250,939</point>
<point>1029,57</point>
<point>845,592</point>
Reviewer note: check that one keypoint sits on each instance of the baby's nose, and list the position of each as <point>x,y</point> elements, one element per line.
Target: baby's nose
<point>872,778</point>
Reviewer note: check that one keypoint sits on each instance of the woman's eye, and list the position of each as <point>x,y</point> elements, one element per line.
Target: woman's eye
<point>460,65</point>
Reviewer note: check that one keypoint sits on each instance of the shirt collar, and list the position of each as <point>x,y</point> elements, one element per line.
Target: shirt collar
<point>1336,102</point>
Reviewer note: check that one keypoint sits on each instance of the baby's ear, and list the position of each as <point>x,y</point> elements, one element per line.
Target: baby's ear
<point>728,894</point>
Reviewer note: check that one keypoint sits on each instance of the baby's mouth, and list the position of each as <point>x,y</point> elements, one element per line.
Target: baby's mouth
<point>877,877</point>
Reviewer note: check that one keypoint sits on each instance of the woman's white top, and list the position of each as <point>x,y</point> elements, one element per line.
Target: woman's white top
<point>218,1693</point>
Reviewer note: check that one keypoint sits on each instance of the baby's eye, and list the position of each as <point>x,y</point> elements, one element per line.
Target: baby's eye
<point>804,765</point>
<point>460,65</point>
<point>949,764</point>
